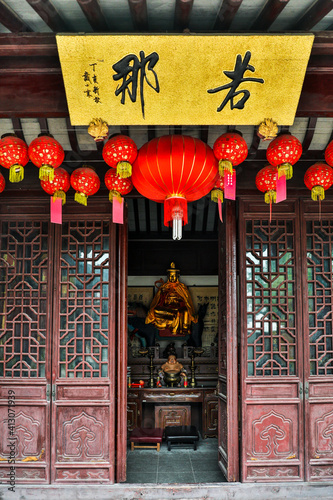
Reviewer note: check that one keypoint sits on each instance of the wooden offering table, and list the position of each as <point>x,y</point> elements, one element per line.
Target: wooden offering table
<point>173,406</point>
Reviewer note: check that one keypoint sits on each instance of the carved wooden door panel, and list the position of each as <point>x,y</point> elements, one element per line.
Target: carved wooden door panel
<point>317,246</point>
<point>83,413</point>
<point>271,329</point>
<point>228,377</point>
<point>25,288</point>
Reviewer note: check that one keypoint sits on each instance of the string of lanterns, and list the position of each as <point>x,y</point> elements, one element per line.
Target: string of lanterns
<point>171,169</point>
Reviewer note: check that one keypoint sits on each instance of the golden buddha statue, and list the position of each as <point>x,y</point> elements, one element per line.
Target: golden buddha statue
<point>172,307</point>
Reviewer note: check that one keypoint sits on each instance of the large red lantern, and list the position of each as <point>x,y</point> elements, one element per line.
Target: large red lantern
<point>116,185</point>
<point>231,150</point>
<point>59,186</point>
<point>283,152</point>
<point>266,183</point>
<point>14,155</point>
<point>318,178</point>
<point>2,183</point>
<point>120,152</point>
<point>86,182</point>
<point>217,192</point>
<point>175,169</point>
<point>47,154</point>
<point>329,154</point>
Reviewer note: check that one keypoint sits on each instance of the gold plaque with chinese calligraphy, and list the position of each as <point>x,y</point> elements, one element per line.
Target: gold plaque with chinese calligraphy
<point>183,79</point>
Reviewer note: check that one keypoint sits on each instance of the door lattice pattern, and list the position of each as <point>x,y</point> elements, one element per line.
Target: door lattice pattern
<point>84,299</point>
<point>270,290</point>
<point>319,249</point>
<point>23,298</point>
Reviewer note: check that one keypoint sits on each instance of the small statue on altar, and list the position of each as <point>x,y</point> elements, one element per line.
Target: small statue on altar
<point>173,372</point>
<point>172,308</point>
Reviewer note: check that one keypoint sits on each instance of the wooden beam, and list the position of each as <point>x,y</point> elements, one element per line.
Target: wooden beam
<point>183,10</point>
<point>310,130</point>
<point>11,20</point>
<point>226,14</point>
<point>139,14</point>
<point>31,82</point>
<point>94,15</point>
<point>268,14</point>
<point>314,14</point>
<point>46,10</point>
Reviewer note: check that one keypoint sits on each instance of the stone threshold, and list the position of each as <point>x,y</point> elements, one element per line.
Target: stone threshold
<point>201,491</point>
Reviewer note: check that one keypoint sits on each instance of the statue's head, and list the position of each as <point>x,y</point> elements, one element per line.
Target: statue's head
<point>173,273</point>
<point>172,359</point>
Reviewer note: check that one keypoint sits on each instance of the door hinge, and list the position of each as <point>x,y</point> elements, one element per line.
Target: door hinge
<point>300,391</point>
<point>48,392</point>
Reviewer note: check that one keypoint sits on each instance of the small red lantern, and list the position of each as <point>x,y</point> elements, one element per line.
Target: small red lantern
<point>86,182</point>
<point>266,183</point>
<point>59,186</point>
<point>283,152</point>
<point>2,183</point>
<point>13,155</point>
<point>120,152</point>
<point>116,185</point>
<point>47,154</point>
<point>329,154</point>
<point>217,192</point>
<point>175,169</point>
<point>318,178</point>
<point>231,150</point>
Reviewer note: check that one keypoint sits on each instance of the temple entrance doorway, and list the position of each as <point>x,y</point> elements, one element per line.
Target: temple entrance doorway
<point>152,401</point>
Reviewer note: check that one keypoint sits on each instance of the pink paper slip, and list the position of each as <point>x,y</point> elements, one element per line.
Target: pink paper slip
<point>281,188</point>
<point>56,210</point>
<point>118,210</point>
<point>230,186</point>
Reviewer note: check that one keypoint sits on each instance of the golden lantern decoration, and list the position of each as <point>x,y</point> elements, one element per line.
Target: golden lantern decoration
<point>59,186</point>
<point>117,185</point>
<point>318,178</point>
<point>283,152</point>
<point>231,150</point>
<point>120,152</point>
<point>86,183</point>
<point>13,155</point>
<point>216,193</point>
<point>47,154</point>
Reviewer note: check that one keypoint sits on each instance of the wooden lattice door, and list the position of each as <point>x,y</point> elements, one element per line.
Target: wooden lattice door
<point>25,296</point>
<point>271,343</point>
<point>62,305</point>
<point>317,260</point>
<point>83,409</point>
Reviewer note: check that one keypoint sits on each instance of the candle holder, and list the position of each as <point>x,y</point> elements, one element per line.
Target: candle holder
<point>150,353</point>
<point>196,351</point>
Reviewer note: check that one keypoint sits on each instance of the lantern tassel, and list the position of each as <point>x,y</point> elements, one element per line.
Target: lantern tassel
<point>59,195</point>
<point>81,198</point>
<point>124,169</point>
<point>270,197</point>
<point>285,169</point>
<point>16,173</point>
<point>46,173</point>
<point>318,193</point>
<point>225,165</point>
<point>177,224</point>
<point>216,195</point>
<point>113,193</point>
